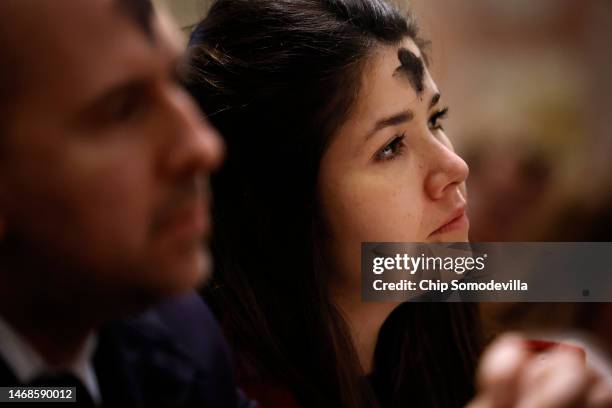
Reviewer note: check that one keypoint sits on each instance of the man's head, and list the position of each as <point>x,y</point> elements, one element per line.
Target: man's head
<point>103,157</point>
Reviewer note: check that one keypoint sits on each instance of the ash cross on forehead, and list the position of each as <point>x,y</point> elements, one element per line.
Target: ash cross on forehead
<point>412,68</point>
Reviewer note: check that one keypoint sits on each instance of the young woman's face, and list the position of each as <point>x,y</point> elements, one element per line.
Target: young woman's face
<point>390,172</point>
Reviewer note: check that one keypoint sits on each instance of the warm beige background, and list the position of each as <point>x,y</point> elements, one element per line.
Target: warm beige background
<point>186,12</point>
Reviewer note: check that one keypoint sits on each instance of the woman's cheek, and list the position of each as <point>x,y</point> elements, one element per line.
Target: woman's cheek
<point>375,209</point>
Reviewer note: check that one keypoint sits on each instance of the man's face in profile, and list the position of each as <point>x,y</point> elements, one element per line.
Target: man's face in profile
<point>104,157</point>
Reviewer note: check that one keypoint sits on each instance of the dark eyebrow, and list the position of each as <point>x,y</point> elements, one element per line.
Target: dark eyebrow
<point>401,117</point>
<point>93,110</point>
<point>393,120</point>
<point>434,100</point>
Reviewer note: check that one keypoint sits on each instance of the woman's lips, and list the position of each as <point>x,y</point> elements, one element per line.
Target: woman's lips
<point>458,221</point>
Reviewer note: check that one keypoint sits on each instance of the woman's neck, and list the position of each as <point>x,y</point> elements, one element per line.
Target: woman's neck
<point>364,320</point>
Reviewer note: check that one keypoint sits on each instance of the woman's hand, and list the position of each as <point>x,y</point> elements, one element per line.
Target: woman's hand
<point>512,376</point>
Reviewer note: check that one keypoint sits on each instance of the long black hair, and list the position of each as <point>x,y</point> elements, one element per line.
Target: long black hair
<point>277,78</point>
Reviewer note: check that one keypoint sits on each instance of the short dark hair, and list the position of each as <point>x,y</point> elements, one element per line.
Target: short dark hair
<point>278,78</point>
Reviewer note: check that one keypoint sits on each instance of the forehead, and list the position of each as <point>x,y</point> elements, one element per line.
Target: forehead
<point>385,90</point>
<point>69,47</point>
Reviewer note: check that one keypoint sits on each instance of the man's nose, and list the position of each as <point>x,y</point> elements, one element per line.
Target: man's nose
<point>192,144</point>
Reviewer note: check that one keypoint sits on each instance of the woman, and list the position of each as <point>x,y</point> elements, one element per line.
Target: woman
<point>334,133</point>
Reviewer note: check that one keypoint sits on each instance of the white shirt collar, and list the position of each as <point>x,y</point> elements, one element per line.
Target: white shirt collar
<point>27,364</point>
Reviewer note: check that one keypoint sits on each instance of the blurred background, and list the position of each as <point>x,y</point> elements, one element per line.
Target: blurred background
<point>529,85</point>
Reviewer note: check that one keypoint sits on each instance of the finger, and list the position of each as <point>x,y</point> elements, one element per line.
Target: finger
<point>560,380</point>
<point>543,365</point>
<point>502,361</point>
<point>601,394</point>
<point>500,369</point>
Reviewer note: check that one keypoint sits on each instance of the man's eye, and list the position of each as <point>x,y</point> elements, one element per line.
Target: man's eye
<point>392,150</point>
<point>436,118</point>
<point>124,107</point>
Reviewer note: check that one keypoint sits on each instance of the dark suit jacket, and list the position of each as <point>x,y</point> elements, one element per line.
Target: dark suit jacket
<point>171,356</point>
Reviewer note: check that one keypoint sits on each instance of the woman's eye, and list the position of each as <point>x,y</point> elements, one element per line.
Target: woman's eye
<point>392,150</point>
<point>436,118</point>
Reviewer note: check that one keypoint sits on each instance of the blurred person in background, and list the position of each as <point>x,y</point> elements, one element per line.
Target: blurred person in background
<point>103,175</point>
<point>334,132</point>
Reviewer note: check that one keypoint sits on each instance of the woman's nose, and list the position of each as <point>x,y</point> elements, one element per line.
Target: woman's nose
<point>447,172</point>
